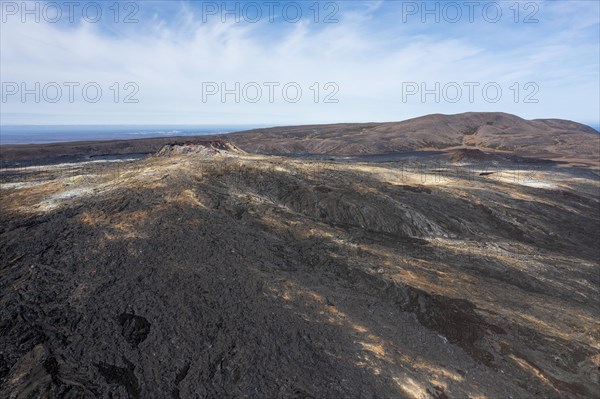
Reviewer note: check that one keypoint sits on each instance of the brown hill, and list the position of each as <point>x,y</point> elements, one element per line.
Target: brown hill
<point>541,138</point>
<point>490,132</point>
<point>467,154</point>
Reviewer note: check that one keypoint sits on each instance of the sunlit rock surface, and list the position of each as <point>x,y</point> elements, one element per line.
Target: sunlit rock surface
<point>185,275</point>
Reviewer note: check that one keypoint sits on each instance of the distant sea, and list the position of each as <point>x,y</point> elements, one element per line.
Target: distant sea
<point>36,134</point>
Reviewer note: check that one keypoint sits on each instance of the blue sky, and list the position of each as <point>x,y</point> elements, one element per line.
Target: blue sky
<point>354,61</point>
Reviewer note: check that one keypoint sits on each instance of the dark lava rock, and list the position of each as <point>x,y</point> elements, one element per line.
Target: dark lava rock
<point>135,329</point>
<point>124,376</point>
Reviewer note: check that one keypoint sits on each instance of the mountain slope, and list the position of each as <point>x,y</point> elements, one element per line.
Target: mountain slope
<point>541,138</point>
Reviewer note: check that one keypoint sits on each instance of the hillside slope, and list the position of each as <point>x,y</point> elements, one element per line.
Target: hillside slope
<point>194,274</point>
<point>544,138</point>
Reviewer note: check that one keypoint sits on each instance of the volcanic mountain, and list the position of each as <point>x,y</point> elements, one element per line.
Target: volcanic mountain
<point>554,139</point>
<point>497,132</point>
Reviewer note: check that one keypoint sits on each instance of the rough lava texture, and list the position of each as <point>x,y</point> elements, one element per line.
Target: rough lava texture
<point>195,275</point>
<point>206,148</point>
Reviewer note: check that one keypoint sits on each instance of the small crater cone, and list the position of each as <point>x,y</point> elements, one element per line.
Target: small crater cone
<point>206,148</point>
<point>468,154</point>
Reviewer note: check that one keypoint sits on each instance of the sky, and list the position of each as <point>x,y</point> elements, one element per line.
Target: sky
<point>282,62</point>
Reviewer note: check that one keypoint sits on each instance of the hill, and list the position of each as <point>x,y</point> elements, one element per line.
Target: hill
<point>554,139</point>
<point>542,138</point>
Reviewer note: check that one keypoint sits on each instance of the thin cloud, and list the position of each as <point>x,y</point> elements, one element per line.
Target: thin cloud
<point>169,56</point>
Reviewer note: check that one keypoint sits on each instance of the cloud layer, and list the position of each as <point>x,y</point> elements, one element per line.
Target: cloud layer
<point>372,65</point>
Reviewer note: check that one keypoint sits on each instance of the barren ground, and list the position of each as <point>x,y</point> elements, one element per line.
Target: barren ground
<point>237,275</point>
